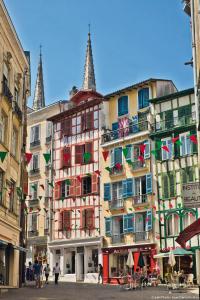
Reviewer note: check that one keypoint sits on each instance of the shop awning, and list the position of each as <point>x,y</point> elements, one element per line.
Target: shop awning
<point>176,252</point>
<point>20,248</point>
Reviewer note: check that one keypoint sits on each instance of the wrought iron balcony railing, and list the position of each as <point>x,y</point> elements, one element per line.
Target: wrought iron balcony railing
<point>117,170</point>
<point>140,199</point>
<point>138,164</point>
<point>6,92</point>
<point>116,203</point>
<point>35,143</point>
<point>117,238</point>
<point>131,129</point>
<point>33,233</point>
<point>17,110</point>
<point>33,202</point>
<point>34,172</point>
<point>141,236</point>
<point>174,123</point>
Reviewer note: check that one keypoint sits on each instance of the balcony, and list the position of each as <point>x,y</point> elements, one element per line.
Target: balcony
<point>117,239</point>
<point>6,92</point>
<point>136,165</point>
<point>117,171</point>
<point>34,172</point>
<point>140,199</point>
<point>33,233</point>
<point>48,139</point>
<point>35,144</point>
<point>132,129</point>
<point>174,123</point>
<point>141,236</point>
<point>17,110</point>
<point>33,202</point>
<point>116,204</point>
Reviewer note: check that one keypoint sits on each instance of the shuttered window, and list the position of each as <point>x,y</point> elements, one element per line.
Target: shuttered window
<point>88,218</point>
<point>66,127</point>
<point>87,121</point>
<point>143,98</point>
<point>107,192</point>
<point>108,226</point>
<point>123,106</point>
<point>128,223</point>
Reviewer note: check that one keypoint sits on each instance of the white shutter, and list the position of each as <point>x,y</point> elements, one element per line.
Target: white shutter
<point>30,223</point>
<point>175,116</point>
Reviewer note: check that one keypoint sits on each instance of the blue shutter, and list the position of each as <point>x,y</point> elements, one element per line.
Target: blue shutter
<point>129,183</point>
<point>133,186</point>
<point>135,127</point>
<point>118,155</point>
<point>108,229</point>
<point>122,106</point>
<point>115,127</point>
<point>147,149</point>
<point>143,98</point>
<point>107,192</point>
<point>129,154</point>
<point>149,222</point>
<point>128,223</point>
<point>125,223</point>
<point>149,183</point>
<point>124,188</point>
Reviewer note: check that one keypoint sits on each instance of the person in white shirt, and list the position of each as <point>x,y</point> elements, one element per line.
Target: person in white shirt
<point>56,272</point>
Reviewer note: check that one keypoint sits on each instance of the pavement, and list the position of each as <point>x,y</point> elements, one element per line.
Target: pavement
<point>81,291</point>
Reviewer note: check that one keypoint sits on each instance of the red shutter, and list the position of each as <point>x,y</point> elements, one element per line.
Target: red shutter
<point>57,191</point>
<point>89,149</point>
<point>61,158</point>
<point>67,159</point>
<point>60,221</point>
<point>90,218</point>
<point>66,219</point>
<point>78,187</point>
<point>79,154</point>
<point>72,187</point>
<point>90,120</point>
<point>95,183</point>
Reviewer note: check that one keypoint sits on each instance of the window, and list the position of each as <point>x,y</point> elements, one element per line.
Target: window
<point>66,127</point>
<point>64,222</point>
<point>14,142</point>
<point>87,121</point>
<point>46,222</point>
<point>12,196</point>
<point>143,98</point>
<point>86,185</point>
<point>168,185</point>
<point>80,150</point>
<point>1,186</point>
<point>48,129</point>
<point>140,186</point>
<point>64,189</point>
<point>186,147</point>
<point>35,134</point>
<point>123,106</point>
<point>35,161</point>
<point>116,156</point>
<point>184,115</point>
<point>33,190</point>
<point>188,175</point>
<point>117,190</point>
<point>16,95</point>
<point>65,157</point>
<point>172,225</point>
<point>33,222</point>
<point>165,154</point>
<point>88,218</point>
<point>187,219</point>
<point>3,127</point>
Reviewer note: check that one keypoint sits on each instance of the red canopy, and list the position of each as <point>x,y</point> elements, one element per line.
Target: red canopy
<point>188,233</point>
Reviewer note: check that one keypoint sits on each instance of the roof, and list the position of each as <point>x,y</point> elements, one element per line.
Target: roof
<point>172,96</point>
<point>136,86</point>
<point>32,111</point>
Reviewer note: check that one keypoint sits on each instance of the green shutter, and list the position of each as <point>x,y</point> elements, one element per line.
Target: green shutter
<point>107,192</point>
<point>165,188</point>
<point>108,228</point>
<point>172,184</point>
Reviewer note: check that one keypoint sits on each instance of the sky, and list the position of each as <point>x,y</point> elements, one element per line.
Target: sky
<point>131,40</point>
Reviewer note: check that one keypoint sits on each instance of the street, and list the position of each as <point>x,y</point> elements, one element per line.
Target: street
<point>79,291</point>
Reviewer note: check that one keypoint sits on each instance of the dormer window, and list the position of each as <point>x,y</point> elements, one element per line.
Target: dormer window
<point>123,106</point>
<point>143,98</point>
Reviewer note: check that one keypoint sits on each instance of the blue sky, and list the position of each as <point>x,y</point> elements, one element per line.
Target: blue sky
<point>132,40</point>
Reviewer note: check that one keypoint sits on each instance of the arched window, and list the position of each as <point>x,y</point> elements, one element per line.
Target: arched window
<point>187,219</point>
<point>172,225</point>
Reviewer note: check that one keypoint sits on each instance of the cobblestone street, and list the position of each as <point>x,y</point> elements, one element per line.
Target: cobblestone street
<point>78,291</point>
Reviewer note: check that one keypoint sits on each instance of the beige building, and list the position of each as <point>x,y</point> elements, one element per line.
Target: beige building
<point>14,90</point>
<point>38,143</point>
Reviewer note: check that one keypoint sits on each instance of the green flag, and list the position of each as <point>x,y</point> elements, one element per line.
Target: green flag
<point>129,161</point>
<point>47,157</point>
<point>108,169</point>
<point>40,197</point>
<point>159,144</point>
<point>62,199</point>
<point>34,187</point>
<point>88,174</point>
<point>125,151</point>
<point>87,156</point>
<point>68,182</point>
<point>51,184</point>
<point>2,155</point>
<point>179,143</point>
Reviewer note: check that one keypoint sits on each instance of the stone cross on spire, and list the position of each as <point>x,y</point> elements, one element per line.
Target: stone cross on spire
<point>89,76</point>
<point>39,101</point>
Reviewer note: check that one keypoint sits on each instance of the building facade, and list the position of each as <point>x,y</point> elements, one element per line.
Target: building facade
<point>39,170</point>
<point>76,233</point>
<point>15,88</point>
<point>175,163</point>
<point>126,181</point>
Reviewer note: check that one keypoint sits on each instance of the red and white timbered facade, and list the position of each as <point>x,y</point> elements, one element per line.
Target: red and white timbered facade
<point>76,230</point>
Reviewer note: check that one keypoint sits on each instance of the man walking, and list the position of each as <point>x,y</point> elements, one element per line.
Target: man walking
<point>37,273</point>
<point>46,273</point>
<point>100,271</point>
<point>56,272</point>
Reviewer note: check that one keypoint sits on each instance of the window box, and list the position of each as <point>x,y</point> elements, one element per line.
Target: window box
<point>141,236</point>
<point>116,204</point>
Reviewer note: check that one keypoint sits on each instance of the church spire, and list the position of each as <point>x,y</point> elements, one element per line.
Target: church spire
<point>89,76</point>
<point>39,101</point>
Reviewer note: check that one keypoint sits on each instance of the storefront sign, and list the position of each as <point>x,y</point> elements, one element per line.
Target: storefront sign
<point>191,195</point>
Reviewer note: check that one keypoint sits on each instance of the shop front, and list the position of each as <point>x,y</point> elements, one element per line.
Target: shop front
<point>114,260</point>
<point>78,261</point>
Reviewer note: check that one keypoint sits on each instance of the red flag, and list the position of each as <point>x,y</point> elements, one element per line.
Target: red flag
<point>66,156</point>
<point>165,148</point>
<point>142,148</point>
<point>98,172</point>
<point>174,140</point>
<point>42,186</point>
<point>193,138</point>
<point>105,155</point>
<point>28,157</point>
<point>79,178</point>
<point>170,205</point>
<point>118,166</point>
<point>141,158</point>
<point>58,182</point>
<point>188,233</point>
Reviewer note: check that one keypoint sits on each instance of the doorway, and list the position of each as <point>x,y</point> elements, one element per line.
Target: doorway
<point>80,267</point>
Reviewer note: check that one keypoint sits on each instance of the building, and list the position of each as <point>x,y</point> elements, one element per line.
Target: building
<point>14,91</point>
<point>39,175</point>
<point>191,8</point>
<point>175,163</point>
<point>76,235</point>
<point>126,180</point>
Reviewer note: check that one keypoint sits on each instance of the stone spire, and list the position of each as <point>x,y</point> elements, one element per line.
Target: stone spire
<point>89,77</point>
<point>39,101</point>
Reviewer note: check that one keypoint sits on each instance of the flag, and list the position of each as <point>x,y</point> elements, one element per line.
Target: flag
<point>3,155</point>
<point>165,148</point>
<point>175,139</point>
<point>141,158</point>
<point>66,156</point>
<point>98,172</point>
<point>42,186</point>
<point>79,178</point>
<point>28,157</point>
<point>118,166</point>
<point>105,155</point>
<point>193,139</point>
<point>142,148</point>
<point>188,233</point>
<point>87,156</point>
<point>108,169</point>
<point>47,157</point>
<point>125,151</point>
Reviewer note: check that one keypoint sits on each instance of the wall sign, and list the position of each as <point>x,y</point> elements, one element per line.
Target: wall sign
<point>191,195</point>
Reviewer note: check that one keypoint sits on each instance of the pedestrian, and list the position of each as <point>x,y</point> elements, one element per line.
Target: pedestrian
<point>56,272</point>
<point>46,273</point>
<point>100,271</point>
<point>37,273</point>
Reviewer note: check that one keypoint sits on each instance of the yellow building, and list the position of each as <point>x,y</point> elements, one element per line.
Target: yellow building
<point>39,176</point>
<point>14,90</point>
<point>126,186</point>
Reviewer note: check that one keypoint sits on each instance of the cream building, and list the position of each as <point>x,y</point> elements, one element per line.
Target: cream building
<point>14,90</point>
<point>38,143</point>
